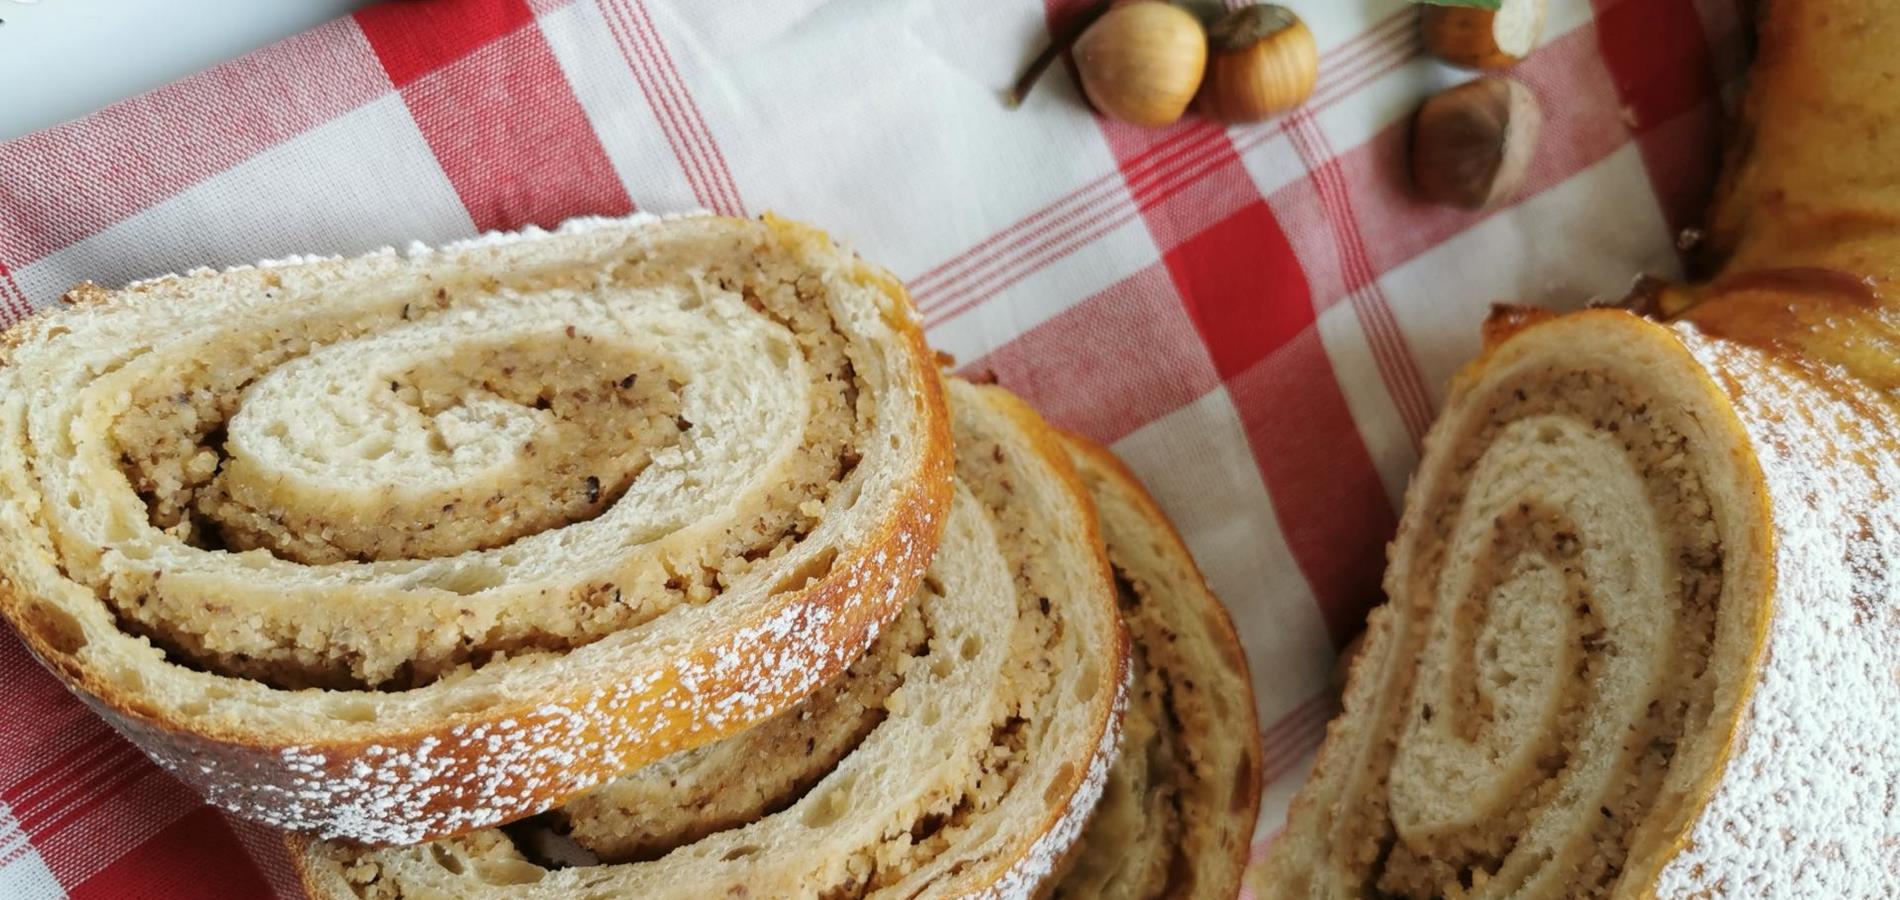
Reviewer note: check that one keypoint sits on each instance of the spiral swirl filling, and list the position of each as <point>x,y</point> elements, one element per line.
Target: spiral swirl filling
<point>1563,596</point>
<point>380,492</point>
<point>683,799</point>
<point>898,774</point>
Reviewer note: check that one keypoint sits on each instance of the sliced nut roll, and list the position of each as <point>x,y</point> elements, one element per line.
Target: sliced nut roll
<point>1643,583</point>
<point>1643,636</point>
<point>1177,815</point>
<point>399,546</point>
<point>959,757</point>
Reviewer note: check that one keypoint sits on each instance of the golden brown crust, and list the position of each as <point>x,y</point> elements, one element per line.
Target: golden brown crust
<point>1218,867</point>
<point>1225,635</point>
<point>523,754</point>
<point>1047,813</point>
<point>246,771</point>
<point>1382,668</point>
<point>1043,849</point>
<point>1812,174</point>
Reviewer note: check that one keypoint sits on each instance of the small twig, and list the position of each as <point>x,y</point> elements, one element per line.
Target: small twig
<point>1020,90</point>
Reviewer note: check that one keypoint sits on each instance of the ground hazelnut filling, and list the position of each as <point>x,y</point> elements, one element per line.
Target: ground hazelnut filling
<point>648,812</point>
<point>930,754</point>
<point>763,771</point>
<point>508,465</point>
<point>1558,660</point>
<point>1143,792</point>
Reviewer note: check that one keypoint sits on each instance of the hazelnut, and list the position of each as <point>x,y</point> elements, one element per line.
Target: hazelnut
<point>1473,144</point>
<point>1482,38</point>
<point>1264,62</point>
<point>1142,62</point>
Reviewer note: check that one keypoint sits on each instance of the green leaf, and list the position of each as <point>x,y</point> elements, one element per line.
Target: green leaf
<point>1474,4</point>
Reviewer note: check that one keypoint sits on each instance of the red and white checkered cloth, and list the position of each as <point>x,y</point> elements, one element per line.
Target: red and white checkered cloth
<point>1258,318</point>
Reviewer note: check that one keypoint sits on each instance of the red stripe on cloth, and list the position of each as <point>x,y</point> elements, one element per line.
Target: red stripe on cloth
<point>67,779</point>
<point>511,136</point>
<point>1176,214</point>
<point>1567,75</point>
<point>1150,181</point>
<point>1170,160</point>
<point>1581,128</point>
<point>1168,178</point>
<point>1290,739</point>
<point>1657,55</point>
<point>1661,64</point>
<point>652,87</point>
<point>940,309</point>
<point>1298,739</point>
<point>1348,57</point>
<point>13,847</point>
<point>688,108</point>
<point>686,131</point>
<point>77,791</point>
<point>1283,732</point>
<point>13,303</point>
<point>1243,287</point>
<point>1680,155</point>
<point>1232,266</point>
<point>110,823</point>
<point>1110,364</point>
<point>195,857</point>
<point>50,735</point>
<point>414,39</point>
<point>1330,503</point>
<point>96,788</point>
<point>265,845</point>
<point>44,720</point>
<point>1392,355</point>
<point>1178,158</point>
<point>1260,847</point>
<point>71,181</point>
<point>1327,495</point>
<point>1107,187</point>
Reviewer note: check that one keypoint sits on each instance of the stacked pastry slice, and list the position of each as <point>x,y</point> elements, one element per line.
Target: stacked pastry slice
<point>1178,812</point>
<point>393,547</point>
<point>992,706</point>
<point>547,566</point>
<point>961,755</point>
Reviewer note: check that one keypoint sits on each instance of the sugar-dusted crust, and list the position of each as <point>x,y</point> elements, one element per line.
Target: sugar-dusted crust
<point>1185,791</point>
<point>1772,508</point>
<point>995,701</point>
<point>1749,752</point>
<point>1580,588</point>
<point>1055,836</point>
<point>506,733</point>
<point>1807,803</point>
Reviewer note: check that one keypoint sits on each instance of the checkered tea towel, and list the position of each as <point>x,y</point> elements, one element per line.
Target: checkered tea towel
<point>1260,319</point>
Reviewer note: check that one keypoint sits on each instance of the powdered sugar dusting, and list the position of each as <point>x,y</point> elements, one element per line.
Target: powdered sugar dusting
<point>481,773</point>
<point>1028,874</point>
<point>792,851</point>
<point>418,249</point>
<point>508,740</point>
<point>1809,805</point>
